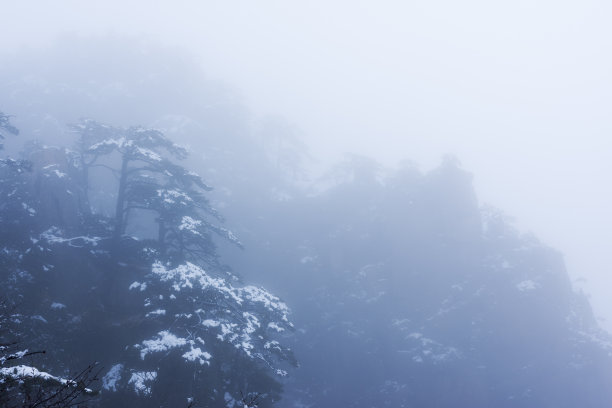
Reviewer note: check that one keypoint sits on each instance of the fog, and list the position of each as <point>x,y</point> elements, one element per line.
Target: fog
<point>519,93</point>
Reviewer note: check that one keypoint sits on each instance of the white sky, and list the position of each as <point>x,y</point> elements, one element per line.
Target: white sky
<point>520,90</point>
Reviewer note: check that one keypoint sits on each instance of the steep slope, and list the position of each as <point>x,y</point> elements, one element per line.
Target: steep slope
<point>407,294</point>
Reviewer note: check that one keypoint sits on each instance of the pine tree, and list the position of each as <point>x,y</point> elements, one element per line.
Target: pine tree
<point>149,181</point>
<point>160,313</point>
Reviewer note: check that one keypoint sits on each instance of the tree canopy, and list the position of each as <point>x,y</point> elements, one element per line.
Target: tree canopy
<point>159,312</point>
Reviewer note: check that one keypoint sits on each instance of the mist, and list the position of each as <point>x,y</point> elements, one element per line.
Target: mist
<point>519,93</point>
<point>292,112</point>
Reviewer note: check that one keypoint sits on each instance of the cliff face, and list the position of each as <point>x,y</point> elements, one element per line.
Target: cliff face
<point>409,294</point>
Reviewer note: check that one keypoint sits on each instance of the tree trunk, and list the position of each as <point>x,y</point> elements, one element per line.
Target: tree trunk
<point>120,207</point>
<point>85,205</point>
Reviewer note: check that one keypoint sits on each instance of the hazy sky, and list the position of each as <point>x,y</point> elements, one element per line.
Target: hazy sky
<point>520,91</point>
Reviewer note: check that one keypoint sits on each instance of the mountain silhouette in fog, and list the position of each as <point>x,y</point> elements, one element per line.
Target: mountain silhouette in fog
<point>404,291</point>
<point>407,293</point>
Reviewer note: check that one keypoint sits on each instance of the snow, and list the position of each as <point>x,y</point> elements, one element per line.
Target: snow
<point>139,378</point>
<point>252,322</point>
<point>601,339</point>
<point>29,209</point>
<point>110,380</point>
<point>246,346</point>
<point>137,152</point>
<point>210,323</point>
<point>197,354</point>
<point>54,236</point>
<point>275,326</point>
<point>188,275</point>
<point>56,172</point>
<point>428,349</point>
<point>23,372</point>
<point>230,402</point>
<point>307,259</point>
<point>147,154</point>
<point>158,312</point>
<point>231,236</point>
<point>227,330</point>
<point>527,285</point>
<point>269,301</point>
<point>57,305</point>
<point>59,174</point>
<point>238,320</point>
<point>172,196</point>
<point>272,345</point>
<point>39,317</point>
<point>190,224</point>
<point>138,285</point>
<point>113,143</point>
<point>164,342</point>
<point>12,356</point>
<point>167,341</point>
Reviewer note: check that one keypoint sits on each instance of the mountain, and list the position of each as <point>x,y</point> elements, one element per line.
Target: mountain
<point>406,293</point>
<point>403,291</point>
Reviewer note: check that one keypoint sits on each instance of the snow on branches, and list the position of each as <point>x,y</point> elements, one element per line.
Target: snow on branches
<point>148,180</point>
<point>209,310</point>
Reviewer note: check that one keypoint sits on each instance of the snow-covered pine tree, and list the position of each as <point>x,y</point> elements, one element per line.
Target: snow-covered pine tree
<point>167,322</point>
<point>148,180</point>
